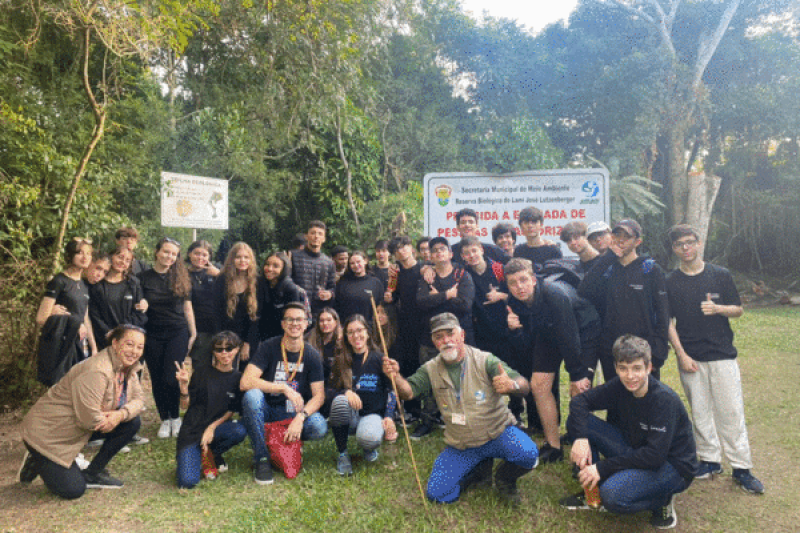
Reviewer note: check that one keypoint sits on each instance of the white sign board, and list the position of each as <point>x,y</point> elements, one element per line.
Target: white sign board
<point>562,195</point>
<point>193,201</point>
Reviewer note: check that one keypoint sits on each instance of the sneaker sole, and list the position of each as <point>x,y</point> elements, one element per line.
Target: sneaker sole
<point>100,486</point>
<point>265,481</point>
<point>748,490</point>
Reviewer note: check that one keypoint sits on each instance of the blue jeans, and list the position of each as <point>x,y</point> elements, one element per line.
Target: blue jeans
<point>634,490</point>
<point>189,458</point>
<point>452,465</point>
<point>256,411</point>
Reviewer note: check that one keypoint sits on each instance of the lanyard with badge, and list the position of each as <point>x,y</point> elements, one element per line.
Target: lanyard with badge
<point>290,381</point>
<point>460,418</point>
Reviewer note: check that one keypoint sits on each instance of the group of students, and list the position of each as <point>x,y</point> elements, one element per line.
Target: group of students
<point>525,304</point>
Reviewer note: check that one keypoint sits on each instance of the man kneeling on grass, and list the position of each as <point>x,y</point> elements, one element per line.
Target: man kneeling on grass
<point>468,385</point>
<point>649,456</point>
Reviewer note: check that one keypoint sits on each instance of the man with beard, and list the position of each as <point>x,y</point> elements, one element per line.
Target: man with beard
<point>469,385</point>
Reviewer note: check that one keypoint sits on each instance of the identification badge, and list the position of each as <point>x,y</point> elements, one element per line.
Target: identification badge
<point>460,419</point>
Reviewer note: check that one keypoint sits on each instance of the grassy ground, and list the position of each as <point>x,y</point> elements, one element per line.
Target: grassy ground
<point>384,496</point>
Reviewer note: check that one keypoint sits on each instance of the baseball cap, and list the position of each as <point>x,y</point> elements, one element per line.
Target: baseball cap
<point>597,227</point>
<point>444,321</point>
<point>629,226</point>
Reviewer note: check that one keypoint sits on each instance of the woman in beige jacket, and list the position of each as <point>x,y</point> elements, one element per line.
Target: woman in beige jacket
<point>98,398</point>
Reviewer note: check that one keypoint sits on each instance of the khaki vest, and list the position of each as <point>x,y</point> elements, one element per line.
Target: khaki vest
<point>487,415</point>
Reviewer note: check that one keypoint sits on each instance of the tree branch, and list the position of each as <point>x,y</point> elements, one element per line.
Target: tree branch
<point>708,44</point>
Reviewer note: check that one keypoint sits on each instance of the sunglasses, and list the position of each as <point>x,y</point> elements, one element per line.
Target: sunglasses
<point>171,241</point>
<point>82,240</point>
<point>221,349</point>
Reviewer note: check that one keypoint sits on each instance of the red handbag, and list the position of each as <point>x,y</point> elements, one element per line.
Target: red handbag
<point>285,456</point>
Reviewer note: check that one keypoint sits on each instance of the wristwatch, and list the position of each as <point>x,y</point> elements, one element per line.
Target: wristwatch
<point>305,415</point>
<point>516,385</point>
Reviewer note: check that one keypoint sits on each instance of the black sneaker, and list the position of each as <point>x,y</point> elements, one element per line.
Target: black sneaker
<point>665,517</point>
<point>505,480</point>
<point>748,481</point>
<point>576,502</point>
<point>421,431</point>
<point>707,469</point>
<point>437,420</point>
<point>101,480</point>
<point>263,472</point>
<point>548,454</point>
<point>479,477</point>
<point>27,470</point>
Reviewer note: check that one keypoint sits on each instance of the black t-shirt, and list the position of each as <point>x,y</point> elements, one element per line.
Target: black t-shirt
<point>705,338</point>
<point>165,309</point>
<point>656,426</point>
<point>112,304</point>
<point>203,300</point>
<point>538,254</point>
<point>492,251</point>
<point>211,394</point>
<point>269,360</point>
<point>72,294</point>
<point>431,304</point>
<point>370,383</point>
<point>383,275</point>
<point>240,323</point>
<point>491,320</point>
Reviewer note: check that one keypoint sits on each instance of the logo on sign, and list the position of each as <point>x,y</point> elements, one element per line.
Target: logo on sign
<point>591,188</point>
<point>443,193</point>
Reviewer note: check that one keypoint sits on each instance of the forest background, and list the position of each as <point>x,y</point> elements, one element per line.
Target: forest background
<point>335,110</point>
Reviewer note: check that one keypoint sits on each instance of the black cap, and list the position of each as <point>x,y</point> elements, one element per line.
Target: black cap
<point>629,226</point>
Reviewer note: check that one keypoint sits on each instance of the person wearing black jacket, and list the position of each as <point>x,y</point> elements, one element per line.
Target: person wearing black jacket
<point>202,274</point>
<point>649,454</point>
<point>556,325</point>
<point>467,223</point>
<point>357,288</point>
<point>360,395</point>
<point>117,298</point>
<point>275,290</point>
<point>630,293</point>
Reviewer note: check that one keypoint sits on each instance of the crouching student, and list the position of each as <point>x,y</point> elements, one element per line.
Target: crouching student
<point>212,396</point>
<point>361,391</point>
<point>469,385</point>
<point>649,454</point>
<point>284,380</point>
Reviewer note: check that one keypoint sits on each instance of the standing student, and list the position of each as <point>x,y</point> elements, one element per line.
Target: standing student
<point>98,268</point>
<point>129,238</point>
<point>340,255</point>
<point>63,316</point>
<point>212,397</point>
<point>236,299</point>
<point>599,236</point>
<point>556,325</point>
<point>467,224</point>
<point>313,270</point>
<point>505,236</point>
<point>452,291</point>
<point>573,235</point>
<point>327,338</point>
<point>648,454</point>
<point>381,267</point>
<point>117,298</point>
<point>202,274</point>
<point>360,395</point>
<point>536,248</point>
<point>275,290</point>
<point>357,289</point>
<point>170,329</point>
<point>630,294</point>
<point>423,249</point>
<point>702,297</point>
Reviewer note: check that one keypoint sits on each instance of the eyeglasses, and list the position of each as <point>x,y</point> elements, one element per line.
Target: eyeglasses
<point>356,331</point>
<point>220,349</point>
<point>684,245</point>
<point>294,320</point>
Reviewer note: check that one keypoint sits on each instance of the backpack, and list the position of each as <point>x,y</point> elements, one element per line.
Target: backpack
<point>566,270</point>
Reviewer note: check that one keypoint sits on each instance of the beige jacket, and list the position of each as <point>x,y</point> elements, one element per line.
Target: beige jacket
<point>63,420</point>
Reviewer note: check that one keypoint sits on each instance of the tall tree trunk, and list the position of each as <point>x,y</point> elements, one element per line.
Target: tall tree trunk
<point>99,112</point>
<point>348,173</point>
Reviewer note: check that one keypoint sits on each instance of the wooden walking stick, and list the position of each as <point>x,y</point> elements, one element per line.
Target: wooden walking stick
<point>399,404</point>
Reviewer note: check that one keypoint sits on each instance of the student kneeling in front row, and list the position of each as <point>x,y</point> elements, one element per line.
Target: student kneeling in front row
<point>649,455</point>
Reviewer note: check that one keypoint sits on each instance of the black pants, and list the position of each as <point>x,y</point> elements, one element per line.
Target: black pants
<point>69,483</point>
<point>161,352</point>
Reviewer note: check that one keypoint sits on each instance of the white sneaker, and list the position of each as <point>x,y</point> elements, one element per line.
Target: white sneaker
<point>138,439</point>
<point>81,461</point>
<point>125,449</point>
<point>96,443</point>
<point>176,426</point>
<point>165,429</point>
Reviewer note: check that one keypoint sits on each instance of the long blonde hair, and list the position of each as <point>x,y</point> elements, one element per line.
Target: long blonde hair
<point>229,273</point>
